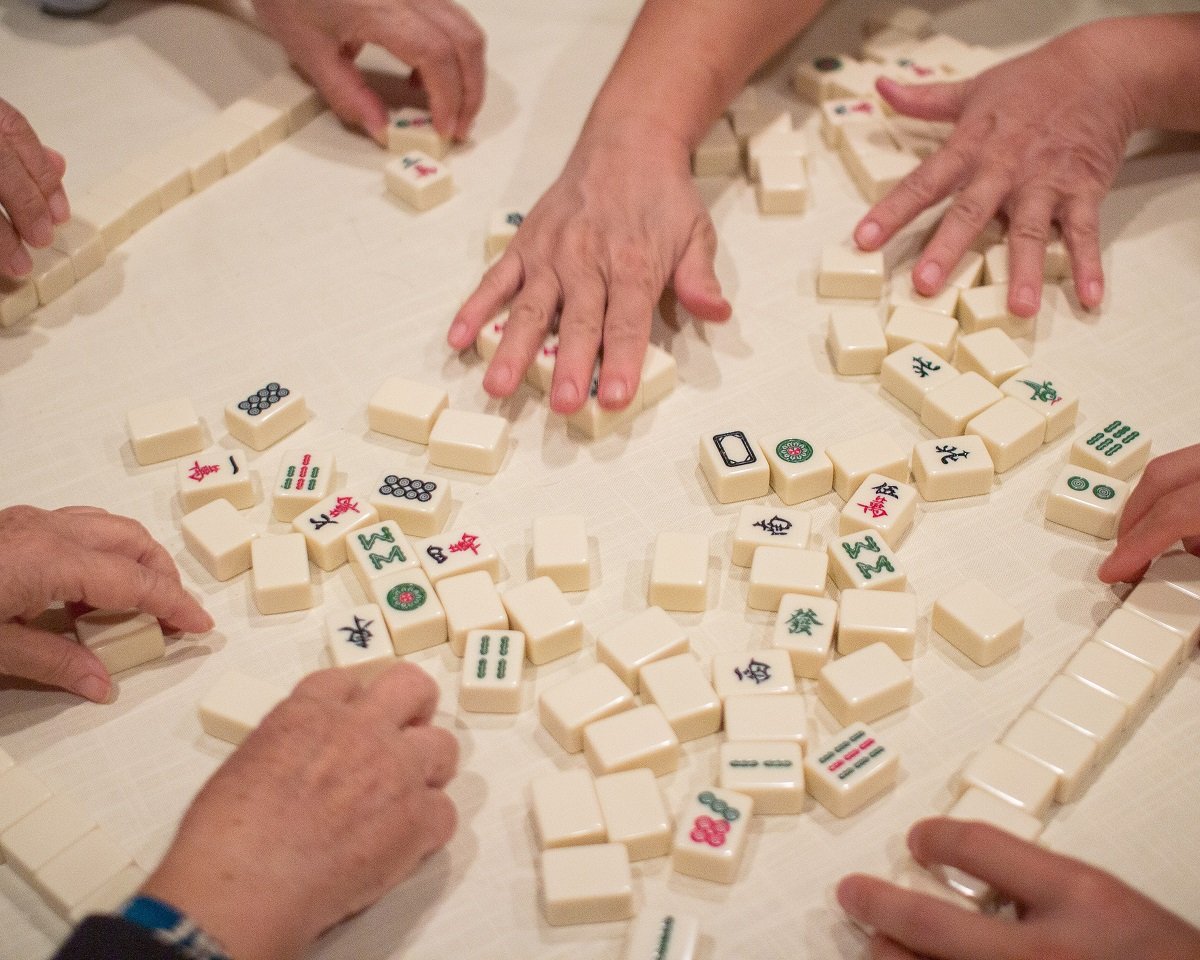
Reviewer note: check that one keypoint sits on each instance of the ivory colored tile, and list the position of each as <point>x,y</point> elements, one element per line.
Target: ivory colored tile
<point>378,551</point>
<point>327,524</point>
<point>122,639</point>
<point>502,227</point>
<point>953,468</point>
<point>566,810</point>
<point>855,340</point>
<point>711,836</point>
<point>733,465</point>
<point>199,156</point>
<point>949,407</point>
<point>805,627</point>
<point>109,896</point>
<point>465,440</point>
<point>780,717</point>
<point>43,833</point>
<point>800,470</point>
<point>540,373</point>
<point>419,505</point>
<point>912,325</point>
<point>865,685</point>
<point>849,272</point>
<point>760,672</point>
<point>551,626</point>
<point>164,430</point>
<point>21,792</point>
<point>650,635</point>
<point>411,128</point>
<point>220,538</point>
<point>880,505</point>
<point>415,617</point>
<point>236,704</point>
<point>850,770</point>
<point>981,805</point>
<point>357,639</point>
<point>419,180</point>
<point>995,264</point>
<point>877,172</point>
<point>592,694</point>
<point>660,375</point>
<point>216,473</point>
<point>1116,448</point>
<point>772,774</point>
<point>1087,501</point>
<point>662,936</point>
<point>1178,568</point>
<point>843,111</point>
<point>1065,751</point>
<point>909,373</point>
<point>1145,640</point>
<point>764,526</point>
<point>136,198</point>
<point>865,562</point>
<point>266,416</point>
<point>282,578</point>
<point>493,665</point>
<point>471,603</point>
<point>982,308</point>
<point>487,341</point>
<point>593,420</point>
<point>83,243</point>
<point>678,687</point>
<point>1010,430</point>
<point>640,737</point>
<point>718,154</point>
<point>877,616</point>
<point>902,293</point>
<point>460,550</point>
<point>782,183</point>
<point>305,478</point>
<point>781,143</point>
<point>406,408</point>
<point>815,80</point>
<point>591,884</point>
<point>679,574</point>
<point>916,878</point>
<point>968,272</point>
<point>1059,406</point>
<point>52,274</point>
<point>855,459</point>
<point>1013,777</point>
<point>79,870</point>
<point>270,122</point>
<point>561,552</point>
<point>981,624</point>
<point>18,299</point>
<point>290,93</point>
<point>1087,709</point>
<point>107,214</point>
<point>1171,607</point>
<point>990,353</point>
<point>777,571</point>
<point>634,813</point>
<point>166,172</point>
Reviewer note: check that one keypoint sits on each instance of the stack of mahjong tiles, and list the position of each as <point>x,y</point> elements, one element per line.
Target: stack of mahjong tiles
<point>878,147</point>
<point>124,202</point>
<point>55,846</point>
<point>760,138</point>
<point>1074,726</point>
<point>659,377</point>
<point>417,176</point>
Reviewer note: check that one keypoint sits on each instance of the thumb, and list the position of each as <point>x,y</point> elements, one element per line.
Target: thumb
<point>924,101</point>
<point>54,660</point>
<point>695,281</point>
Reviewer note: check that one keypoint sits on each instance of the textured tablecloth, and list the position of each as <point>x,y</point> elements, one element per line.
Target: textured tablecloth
<point>300,269</point>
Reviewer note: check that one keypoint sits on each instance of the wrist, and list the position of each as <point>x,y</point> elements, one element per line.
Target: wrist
<point>1124,74</point>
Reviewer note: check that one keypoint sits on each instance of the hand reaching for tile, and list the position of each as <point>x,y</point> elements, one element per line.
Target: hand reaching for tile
<point>32,199</point>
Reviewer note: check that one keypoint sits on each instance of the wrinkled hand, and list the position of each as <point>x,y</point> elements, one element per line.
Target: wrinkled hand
<point>437,37</point>
<point>1067,908</point>
<point>32,199</point>
<point>80,555</point>
<point>332,801</point>
<point>621,222</point>
<point>1039,138</point>
<point>1163,507</point>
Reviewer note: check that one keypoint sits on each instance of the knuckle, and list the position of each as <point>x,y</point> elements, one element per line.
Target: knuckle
<point>969,211</point>
<point>1033,231</point>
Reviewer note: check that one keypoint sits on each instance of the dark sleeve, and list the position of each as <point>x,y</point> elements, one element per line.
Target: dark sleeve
<point>112,938</point>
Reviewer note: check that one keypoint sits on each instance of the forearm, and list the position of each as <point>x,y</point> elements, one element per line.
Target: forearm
<point>685,60</point>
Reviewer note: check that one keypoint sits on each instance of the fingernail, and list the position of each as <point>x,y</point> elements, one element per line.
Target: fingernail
<point>499,380</point>
<point>614,392</point>
<point>60,209</point>
<point>869,233</point>
<point>566,394</point>
<point>96,689</point>
<point>930,275</point>
<point>1095,292</point>
<point>1026,299</point>
<point>20,263</point>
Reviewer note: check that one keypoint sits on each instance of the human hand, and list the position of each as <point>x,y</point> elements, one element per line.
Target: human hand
<point>32,199</point>
<point>1066,907</point>
<point>80,555</point>
<point>622,221</point>
<point>437,37</point>
<point>1039,138</point>
<point>1163,507</point>
<point>333,800</point>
